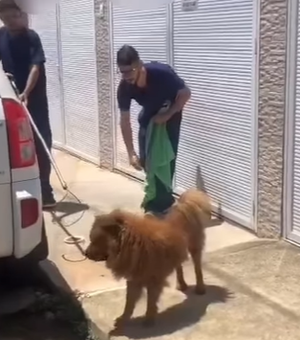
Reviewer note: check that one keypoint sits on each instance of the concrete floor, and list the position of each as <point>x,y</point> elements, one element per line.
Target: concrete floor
<point>252,284</point>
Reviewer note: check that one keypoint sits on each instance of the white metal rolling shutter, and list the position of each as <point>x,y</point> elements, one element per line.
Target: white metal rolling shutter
<point>294,229</point>
<point>79,71</point>
<point>146,30</point>
<point>46,26</point>
<point>214,53</point>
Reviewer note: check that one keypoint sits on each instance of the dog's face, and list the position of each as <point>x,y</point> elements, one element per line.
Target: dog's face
<point>104,236</point>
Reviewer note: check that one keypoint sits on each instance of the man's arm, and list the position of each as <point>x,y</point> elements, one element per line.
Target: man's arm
<point>126,130</point>
<point>37,59</point>
<point>124,102</point>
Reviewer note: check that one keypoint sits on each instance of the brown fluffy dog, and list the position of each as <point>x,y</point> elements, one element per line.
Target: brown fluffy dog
<point>145,250</point>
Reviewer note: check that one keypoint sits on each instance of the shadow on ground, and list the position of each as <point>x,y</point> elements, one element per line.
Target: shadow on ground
<point>53,315</point>
<point>64,209</point>
<point>214,222</point>
<point>69,207</point>
<point>177,317</point>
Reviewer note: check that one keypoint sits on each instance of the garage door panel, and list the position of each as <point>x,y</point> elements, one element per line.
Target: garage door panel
<point>46,26</point>
<point>291,200</point>
<point>294,164</point>
<point>79,71</point>
<point>214,53</point>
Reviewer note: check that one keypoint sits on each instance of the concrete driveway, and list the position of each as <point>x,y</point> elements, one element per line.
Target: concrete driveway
<point>252,285</point>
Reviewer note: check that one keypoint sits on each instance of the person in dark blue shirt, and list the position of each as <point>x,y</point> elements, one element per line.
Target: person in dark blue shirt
<point>22,56</point>
<point>162,94</point>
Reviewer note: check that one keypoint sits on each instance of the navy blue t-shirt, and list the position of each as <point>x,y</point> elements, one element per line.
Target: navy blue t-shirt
<point>18,53</point>
<point>162,87</point>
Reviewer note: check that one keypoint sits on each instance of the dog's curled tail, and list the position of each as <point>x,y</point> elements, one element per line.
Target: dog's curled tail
<point>195,205</point>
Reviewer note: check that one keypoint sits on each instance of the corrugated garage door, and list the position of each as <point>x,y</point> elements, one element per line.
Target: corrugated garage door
<point>214,53</point>
<point>46,26</point>
<point>79,72</point>
<point>292,165</point>
<point>146,30</point>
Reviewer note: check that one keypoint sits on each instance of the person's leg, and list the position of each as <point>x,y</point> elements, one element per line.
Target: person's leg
<point>38,108</point>
<point>164,198</point>
<point>45,166</point>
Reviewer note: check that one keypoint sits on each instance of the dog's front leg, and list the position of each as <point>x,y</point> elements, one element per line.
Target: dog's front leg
<point>133,293</point>
<point>154,291</point>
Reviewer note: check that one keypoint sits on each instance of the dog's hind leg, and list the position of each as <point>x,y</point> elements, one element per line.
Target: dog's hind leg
<point>154,291</point>
<point>197,259</point>
<point>133,293</point>
<point>181,284</point>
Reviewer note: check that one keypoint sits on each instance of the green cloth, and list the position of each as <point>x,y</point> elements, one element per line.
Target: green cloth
<point>159,155</point>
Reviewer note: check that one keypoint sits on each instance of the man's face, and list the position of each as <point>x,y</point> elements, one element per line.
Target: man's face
<point>130,73</point>
<point>13,19</point>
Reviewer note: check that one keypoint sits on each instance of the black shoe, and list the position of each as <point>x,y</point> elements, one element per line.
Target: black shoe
<point>49,203</point>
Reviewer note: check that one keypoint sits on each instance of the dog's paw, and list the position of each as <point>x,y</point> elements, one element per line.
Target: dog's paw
<point>120,322</point>
<point>182,287</point>
<point>115,332</point>
<point>200,290</point>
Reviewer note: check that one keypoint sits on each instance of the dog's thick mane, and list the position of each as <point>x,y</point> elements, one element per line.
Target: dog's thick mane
<point>148,248</point>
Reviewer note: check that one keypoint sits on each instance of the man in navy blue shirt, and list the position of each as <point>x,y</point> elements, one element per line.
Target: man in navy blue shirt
<point>22,56</point>
<point>162,95</point>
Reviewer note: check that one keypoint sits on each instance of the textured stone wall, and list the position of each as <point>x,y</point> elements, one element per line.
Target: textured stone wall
<point>104,81</point>
<point>271,113</point>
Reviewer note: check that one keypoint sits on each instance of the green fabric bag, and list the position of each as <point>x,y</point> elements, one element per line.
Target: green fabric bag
<point>159,155</point>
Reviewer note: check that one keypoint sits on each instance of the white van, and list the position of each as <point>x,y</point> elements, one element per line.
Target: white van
<point>22,232</point>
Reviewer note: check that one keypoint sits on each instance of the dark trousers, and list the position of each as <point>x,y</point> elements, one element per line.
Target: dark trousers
<point>164,198</point>
<point>38,108</point>
<point>44,162</point>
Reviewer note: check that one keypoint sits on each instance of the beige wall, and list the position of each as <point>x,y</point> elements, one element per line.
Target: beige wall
<point>104,81</point>
<point>271,113</point>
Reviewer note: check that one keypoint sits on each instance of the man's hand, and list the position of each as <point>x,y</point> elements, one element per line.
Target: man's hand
<point>135,162</point>
<point>165,114</point>
<point>161,118</point>
<point>24,98</point>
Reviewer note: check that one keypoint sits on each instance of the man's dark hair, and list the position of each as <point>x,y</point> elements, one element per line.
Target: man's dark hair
<point>6,5</point>
<point>127,55</point>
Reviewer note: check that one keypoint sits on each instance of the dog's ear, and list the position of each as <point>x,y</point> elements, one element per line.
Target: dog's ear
<point>118,216</point>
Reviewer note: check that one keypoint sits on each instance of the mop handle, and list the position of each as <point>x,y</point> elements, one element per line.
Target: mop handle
<point>51,158</point>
